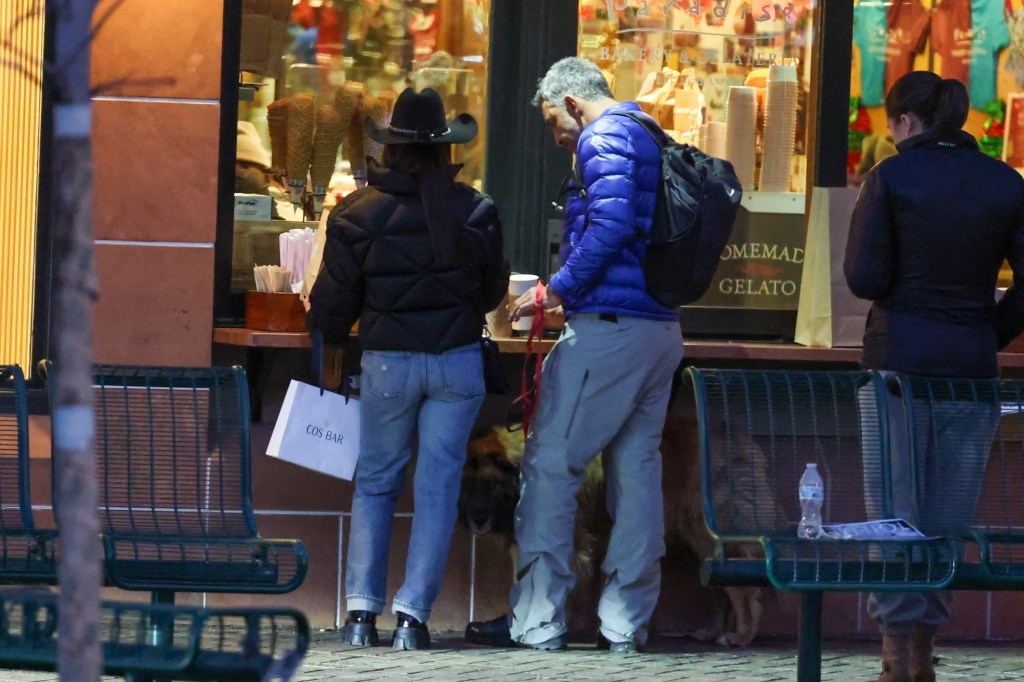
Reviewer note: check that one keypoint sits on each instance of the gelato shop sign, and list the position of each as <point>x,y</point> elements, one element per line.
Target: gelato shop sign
<point>761,269</point>
<point>761,266</point>
<point>770,252</point>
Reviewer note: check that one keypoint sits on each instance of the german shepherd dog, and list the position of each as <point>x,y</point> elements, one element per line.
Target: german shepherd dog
<point>490,492</point>
<point>487,504</point>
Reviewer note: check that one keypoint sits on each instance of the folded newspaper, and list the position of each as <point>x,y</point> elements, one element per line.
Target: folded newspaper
<point>882,529</point>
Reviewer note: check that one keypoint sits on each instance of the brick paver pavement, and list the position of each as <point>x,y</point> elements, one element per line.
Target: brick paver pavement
<point>669,659</point>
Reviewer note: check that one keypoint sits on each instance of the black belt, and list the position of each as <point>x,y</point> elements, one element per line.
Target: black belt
<point>608,317</point>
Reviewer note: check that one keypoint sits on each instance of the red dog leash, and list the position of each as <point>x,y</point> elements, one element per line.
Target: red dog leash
<point>529,395</point>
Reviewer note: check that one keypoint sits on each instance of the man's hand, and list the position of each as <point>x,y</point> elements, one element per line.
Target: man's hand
<point>526,305</point>
<point>551,299</point>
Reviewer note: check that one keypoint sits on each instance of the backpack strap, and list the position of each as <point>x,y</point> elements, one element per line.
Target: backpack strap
<point>652,128</point>
<point>659,136</point>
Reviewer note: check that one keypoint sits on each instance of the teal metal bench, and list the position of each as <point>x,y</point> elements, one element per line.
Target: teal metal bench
<point>977,427</point>
<point>194,644</point>
<point>172,452</point>
<point>174,477</point>
<point>27,554</point>
<point>758,429</point>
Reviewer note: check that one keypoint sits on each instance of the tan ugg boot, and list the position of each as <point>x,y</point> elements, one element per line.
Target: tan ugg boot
<point>922,653</point>
<point>895,659</point>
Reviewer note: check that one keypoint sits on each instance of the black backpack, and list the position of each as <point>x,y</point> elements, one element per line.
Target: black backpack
<point>696,207</point>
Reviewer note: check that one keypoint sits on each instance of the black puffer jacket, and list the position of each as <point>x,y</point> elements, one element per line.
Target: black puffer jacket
<point>929,233</point>
<point>378,267</point>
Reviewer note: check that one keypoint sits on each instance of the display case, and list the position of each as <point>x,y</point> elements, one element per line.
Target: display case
<point>979,43</point>
<point>731,77</point>
<point>312,72</point>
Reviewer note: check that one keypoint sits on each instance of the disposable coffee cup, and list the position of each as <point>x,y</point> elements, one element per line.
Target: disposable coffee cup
<point>517,286</point>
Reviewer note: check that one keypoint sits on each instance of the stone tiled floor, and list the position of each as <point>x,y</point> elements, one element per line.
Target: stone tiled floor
<point>452,659</point>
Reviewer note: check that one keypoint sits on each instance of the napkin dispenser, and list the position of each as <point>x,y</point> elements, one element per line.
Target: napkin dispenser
<point>274,312</point>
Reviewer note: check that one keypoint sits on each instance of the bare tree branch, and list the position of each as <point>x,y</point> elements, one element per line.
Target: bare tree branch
<point>83,46</point>
<point>99,23</point>
<point>20,68</point>
<point>128,80</point>
<point>23,59</point>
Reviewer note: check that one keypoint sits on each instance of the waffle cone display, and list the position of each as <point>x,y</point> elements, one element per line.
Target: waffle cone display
<point>300,139</point>
<point>277,124</point>
<point>346,100</point>
<point>378,110</point>
<point>758,79</point>
<point>741,133</point>
<point>355,146</point>
<point>327,137</point>
<point>779,129</point>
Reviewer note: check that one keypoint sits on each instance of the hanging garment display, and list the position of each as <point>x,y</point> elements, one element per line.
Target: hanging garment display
<point>990,35</point>
<point>869,34</point>
<point>951,38</point>
<point>907,37</point>
<point>1015,50</point>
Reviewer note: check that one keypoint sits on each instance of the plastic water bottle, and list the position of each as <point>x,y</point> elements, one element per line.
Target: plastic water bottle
<point>812,496</point>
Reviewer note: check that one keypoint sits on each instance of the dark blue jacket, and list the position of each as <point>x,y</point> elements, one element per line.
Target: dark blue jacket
<point>928,236</point>
<point>620,165</point>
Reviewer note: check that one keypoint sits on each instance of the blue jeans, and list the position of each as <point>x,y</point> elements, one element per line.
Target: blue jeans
<point>952,441</point>
<point>405,395</point>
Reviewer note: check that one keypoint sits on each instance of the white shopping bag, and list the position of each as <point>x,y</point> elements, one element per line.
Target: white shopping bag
<point>316,431</point>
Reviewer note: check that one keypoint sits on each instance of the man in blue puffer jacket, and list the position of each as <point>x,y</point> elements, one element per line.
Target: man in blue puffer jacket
<point>606,381</point>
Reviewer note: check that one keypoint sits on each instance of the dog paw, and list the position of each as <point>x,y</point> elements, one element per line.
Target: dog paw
<point>705,635</point>
<point>734,639</point>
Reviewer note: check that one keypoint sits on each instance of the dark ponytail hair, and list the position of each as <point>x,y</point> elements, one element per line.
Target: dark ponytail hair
<point>941,104</point>
<point>431,166</point>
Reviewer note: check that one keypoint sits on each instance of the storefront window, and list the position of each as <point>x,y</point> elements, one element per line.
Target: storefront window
<point>312,72</point>
<point>729,76</point>
<point>979,42</point>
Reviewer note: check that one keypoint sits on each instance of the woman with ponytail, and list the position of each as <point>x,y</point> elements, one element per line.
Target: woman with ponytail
<point>929,233</point>
<point>417,259</point>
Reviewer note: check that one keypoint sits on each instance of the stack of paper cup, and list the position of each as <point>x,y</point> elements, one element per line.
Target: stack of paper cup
<point>779,128</point>
<point>702,138</point>
<point>742,129</point>
<point>517,286</point>
<point>716,145</point>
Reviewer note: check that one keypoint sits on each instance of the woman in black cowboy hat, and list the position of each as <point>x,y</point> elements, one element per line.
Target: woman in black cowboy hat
<point>416,258</point>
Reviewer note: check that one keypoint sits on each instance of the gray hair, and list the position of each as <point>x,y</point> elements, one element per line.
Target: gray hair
<point>571,76</point>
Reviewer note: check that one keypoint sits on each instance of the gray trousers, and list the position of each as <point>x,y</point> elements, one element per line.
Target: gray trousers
<point>605,390</point>
<point>952,441</point>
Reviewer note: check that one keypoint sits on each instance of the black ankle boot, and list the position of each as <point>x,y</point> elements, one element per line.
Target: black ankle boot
<point>360,629</point>
<point>410,633</point>
<point>494,632</point>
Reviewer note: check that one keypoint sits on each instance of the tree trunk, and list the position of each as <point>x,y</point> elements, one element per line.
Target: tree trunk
<point>79,569</point>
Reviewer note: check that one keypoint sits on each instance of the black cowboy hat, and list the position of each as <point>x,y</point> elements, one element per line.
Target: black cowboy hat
<point>419,118</point>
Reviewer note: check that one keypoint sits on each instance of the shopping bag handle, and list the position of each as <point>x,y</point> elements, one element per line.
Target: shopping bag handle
<point>317,358</point>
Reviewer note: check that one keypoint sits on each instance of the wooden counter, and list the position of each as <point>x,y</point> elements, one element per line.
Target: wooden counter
<point>252,338</point>
<point>696,349</point>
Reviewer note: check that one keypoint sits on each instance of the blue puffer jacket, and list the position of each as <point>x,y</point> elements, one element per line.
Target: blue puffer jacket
<point>602,272</point>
